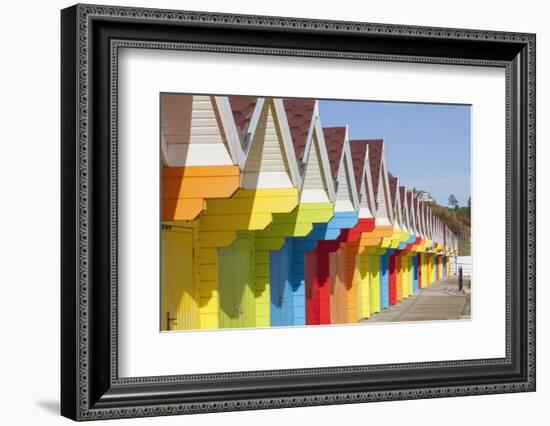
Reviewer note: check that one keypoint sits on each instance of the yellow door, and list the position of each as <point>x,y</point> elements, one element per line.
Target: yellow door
<point>179,292</point>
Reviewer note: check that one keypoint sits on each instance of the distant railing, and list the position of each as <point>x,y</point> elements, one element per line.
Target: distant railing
<point>461,261</point>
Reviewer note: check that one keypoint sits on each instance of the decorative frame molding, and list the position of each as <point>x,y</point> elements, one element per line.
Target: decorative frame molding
<point>91,388</point>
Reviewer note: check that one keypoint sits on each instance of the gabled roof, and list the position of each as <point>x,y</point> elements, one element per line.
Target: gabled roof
<point>359,150</point>
<point>375,162</point>
<point>404,206</point>
<point>410,204</point>
<point>394,196</point>
<point>198,130</point>
<point>393,188</point>
<point>261,151</point>
<point>299,113</point>
<point>242,108</point>
<point>361,167</point>
<point>402,193</point>
<point>341,165</point>
<point>334,141</point>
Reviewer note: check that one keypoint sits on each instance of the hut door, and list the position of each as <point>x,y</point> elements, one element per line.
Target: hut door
<point>179,293</point>
<point>281,292</point>
<point>235,283</point>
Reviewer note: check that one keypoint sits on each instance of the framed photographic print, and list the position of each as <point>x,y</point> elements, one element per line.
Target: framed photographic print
<point>263,212</point>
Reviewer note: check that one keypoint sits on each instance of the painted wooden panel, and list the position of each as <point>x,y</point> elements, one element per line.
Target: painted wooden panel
<point>374,272</point>
<point>272,240</point>
<point>314,187</point>
<point>338,293</point>
<point>345,186</point>
<point>362,280</point>
<point>409,274</point>
<point>399,277</point>
<point>364,207</point>
<point>236,283</point>
<point>179,280</point>
<point>415,274</point>
<point>184,189</point>
<point>392,278</point>
<point>422,274</point>
<point>384,282</point>
<point>280,264</point>
<point>192,131</point>
<point>219,223</point>
<point>349,252</point>
<point>266,165</point>
<point>318,282</point>
<point>317,308</point>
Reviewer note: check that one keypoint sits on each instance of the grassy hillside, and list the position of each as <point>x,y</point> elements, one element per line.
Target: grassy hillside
<point>459,221</point>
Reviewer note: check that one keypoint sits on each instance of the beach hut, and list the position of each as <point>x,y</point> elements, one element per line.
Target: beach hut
<point>412,247</point>
<point>341,262</point>
<point>345,271</point>
<point>200,156</point>
<point>316,204</point>
<point>371,248</point>
<point>406,253</point>
<point>269,186</point>
<point>366,225</point>
<point>423,269</point>
<point>269,181</point>
<point>399,239</point>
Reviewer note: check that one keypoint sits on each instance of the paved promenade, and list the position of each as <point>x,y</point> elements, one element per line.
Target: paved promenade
<point>440,301</point>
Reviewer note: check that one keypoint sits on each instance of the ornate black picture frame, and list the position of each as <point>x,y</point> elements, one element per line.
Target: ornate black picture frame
<point>90,38</point>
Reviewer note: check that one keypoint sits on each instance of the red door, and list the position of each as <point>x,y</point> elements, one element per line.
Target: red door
<point>392,281</point>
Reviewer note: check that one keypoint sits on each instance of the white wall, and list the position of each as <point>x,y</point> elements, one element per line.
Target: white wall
<point>29,217</point>
<point>461,261</point>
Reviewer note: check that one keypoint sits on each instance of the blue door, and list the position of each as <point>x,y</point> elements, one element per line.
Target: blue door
<point>281,291</point>
<point>415,273</point>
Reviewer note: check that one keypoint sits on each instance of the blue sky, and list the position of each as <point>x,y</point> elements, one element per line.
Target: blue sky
<point>426,145</point>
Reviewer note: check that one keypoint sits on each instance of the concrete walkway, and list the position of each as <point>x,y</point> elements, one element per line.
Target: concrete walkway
<point>439,301</point>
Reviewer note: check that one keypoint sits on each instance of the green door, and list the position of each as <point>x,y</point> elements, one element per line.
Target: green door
<point>235,283</point>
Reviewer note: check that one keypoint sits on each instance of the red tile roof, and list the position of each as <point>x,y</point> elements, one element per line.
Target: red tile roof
<point>299,113</point>
<point>393,188</point>
<point>334,140</point>
<point>358,152</point>
<point>242,108</point>
<point>375,162</point>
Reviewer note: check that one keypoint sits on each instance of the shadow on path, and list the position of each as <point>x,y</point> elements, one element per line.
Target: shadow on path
<point>440,301</point>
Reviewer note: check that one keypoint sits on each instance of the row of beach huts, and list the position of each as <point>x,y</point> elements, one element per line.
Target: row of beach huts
<point>270,219</point>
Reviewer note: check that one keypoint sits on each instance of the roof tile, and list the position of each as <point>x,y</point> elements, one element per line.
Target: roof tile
<point>299,113</point>
<point>376,147</point>
<point>334,140</point>
<point>242,108</point>
<point>359,150</point>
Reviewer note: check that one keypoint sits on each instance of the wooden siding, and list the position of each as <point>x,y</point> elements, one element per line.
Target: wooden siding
<point>382,201</point>
<point>266,165</point>
<point>219,223</point>
<point>179,279</point>
<point>362,280</point>
<point>374,293</point>
<point>345,184</point>
<point>364,207</point>
<point>236,275</point>
<point>297,223</point>
<point>384,282</point>
<point>184,189</point>
<point>193,132</point>
<point>314,184</point>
